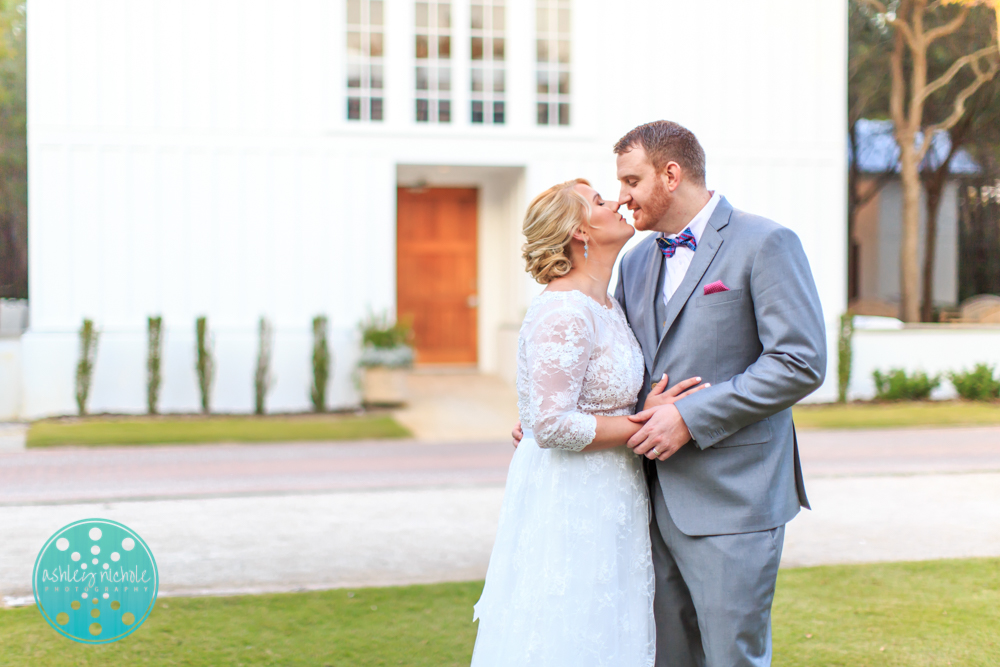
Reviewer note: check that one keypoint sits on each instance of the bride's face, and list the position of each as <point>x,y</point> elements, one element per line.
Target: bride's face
<point>607,228</point>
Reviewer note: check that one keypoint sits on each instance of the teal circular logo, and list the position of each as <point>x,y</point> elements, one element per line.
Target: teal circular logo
<point>95,581</point>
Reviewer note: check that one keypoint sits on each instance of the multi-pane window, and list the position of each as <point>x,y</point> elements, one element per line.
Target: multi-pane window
<point>553,57</point>
<point>433,45</point>
<point>488,53</point>
<point>365,37</point>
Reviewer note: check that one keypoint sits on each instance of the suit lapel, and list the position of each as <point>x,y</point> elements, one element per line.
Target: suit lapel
<point>649,340</point>
<point>708,246</point>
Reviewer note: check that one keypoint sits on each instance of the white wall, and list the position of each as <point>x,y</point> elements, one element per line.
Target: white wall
<point>934,349</point>
<point>193,158</point>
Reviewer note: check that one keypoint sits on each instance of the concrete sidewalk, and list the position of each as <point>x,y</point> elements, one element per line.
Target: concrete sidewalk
<point>370,538</point>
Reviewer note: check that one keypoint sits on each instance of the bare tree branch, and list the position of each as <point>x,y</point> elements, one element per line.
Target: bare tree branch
<point>943,80</point>
<point>948,28</point>
<point>893,20</point>
<point>982,76</point>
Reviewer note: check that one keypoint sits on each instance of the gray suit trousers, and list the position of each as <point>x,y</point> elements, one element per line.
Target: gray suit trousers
<point>713,593</point>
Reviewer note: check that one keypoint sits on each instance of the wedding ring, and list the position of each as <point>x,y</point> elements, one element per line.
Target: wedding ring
<point>655,452</point>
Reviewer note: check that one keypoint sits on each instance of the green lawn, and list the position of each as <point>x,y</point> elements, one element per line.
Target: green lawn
<point>897,614</point>
<point>190,429</point>
<point>886,415</point>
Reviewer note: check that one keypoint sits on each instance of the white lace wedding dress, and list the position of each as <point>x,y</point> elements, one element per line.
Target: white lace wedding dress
<point>570,581</point>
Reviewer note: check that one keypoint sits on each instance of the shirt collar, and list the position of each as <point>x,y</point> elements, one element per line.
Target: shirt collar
<point>699,221</point>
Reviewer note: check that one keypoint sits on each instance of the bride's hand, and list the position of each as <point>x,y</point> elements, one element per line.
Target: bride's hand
<point>660,395</point>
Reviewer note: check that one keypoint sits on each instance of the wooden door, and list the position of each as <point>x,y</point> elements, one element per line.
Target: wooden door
<point>436,272</point>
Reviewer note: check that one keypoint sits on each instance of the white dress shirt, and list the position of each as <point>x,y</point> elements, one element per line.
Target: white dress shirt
<point>677,266</point>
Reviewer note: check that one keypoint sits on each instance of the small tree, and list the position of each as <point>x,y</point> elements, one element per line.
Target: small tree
<point>917,25</point>
<point>85,367</point>
<point>845,353</point>
<point>320,364</point>
<point>262,380</point>
<point>154,351</point>
<point>205,365</point>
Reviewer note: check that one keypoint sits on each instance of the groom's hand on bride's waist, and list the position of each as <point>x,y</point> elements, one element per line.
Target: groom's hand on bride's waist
<point>517,434</point>
<point>663,433</point>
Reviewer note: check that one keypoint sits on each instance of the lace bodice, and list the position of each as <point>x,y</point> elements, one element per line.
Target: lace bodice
<point>576,359</point>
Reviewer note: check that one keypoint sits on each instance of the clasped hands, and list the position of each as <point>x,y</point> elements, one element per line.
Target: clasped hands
<point>663,430</point>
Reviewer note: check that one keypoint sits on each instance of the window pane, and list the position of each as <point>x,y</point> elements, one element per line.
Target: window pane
<point>477,80</point>
<point>498,48</point>
<point>423,111</point>
<point>498,18</point>
<point>543,83</point>
<point>498,112</point>
<point>543,113</point>
<point>422,46</point>
<point>354,108</point>
<point>421,15</point>
<point>354,76</point>
<point>477,17</point>
<point>354,43</point>
<point>564,20</point>
<point>542,19</point>
<point>564,51</point>
<point>477,48</point>
<point>477,112</point>
<point>564,83</point>
<point>444,79</point>
<point>444,111</point>
<point>444,47</point>
<point>543,51</point>
<point>377,77</point>
<point>498,81</point>
<point>564,114</point>
<point>376,108</point>
<point>354,12</point>
<point>422,78</point>
<point>375,12</point>
<point>444,15</point>
<point>376,44</point>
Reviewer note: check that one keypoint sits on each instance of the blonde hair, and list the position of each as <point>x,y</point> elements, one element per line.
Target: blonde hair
<point>549,224</point>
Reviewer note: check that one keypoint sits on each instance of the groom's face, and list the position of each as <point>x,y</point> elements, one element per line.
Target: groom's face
<point>643,190</point>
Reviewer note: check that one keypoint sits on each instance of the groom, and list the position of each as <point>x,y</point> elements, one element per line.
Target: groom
<point>728,296</point>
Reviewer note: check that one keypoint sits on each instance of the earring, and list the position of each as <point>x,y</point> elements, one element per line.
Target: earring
<point>586,250</point>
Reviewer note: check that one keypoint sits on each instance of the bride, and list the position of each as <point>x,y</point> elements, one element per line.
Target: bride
<point>570,581</point>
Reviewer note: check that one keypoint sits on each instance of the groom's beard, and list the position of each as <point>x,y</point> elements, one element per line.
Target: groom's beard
<point>657,206</point>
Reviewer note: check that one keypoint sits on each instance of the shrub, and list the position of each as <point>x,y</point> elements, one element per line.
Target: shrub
<point>844,355</point>
<point>977,384</point>
<point>380,332</point>
<point>320,364</point>
<point>896,385</point>
<point>85,367</point>
<point>262,380</point>
<point>385,343</point>
<point>154,351</point>
<point>205,364</point>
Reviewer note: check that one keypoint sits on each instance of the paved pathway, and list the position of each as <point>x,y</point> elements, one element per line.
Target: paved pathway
<point>106,473</point>
<point>351,514</point>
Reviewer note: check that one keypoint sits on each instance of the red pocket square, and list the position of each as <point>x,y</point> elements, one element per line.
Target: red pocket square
<point>717,286</point>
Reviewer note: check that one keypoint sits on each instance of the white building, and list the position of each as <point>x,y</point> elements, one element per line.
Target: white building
<point>239,158</point>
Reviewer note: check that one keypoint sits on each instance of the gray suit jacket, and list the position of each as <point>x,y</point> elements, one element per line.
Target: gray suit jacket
<point>762,346</point>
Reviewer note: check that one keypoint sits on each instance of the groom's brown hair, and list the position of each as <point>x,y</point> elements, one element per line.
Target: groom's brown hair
<point>666,141</point>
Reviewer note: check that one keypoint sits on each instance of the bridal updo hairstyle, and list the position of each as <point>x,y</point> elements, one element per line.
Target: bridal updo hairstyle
<point>549,224</point>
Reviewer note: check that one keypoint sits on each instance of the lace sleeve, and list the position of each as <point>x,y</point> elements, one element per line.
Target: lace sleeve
<point>557,353</point>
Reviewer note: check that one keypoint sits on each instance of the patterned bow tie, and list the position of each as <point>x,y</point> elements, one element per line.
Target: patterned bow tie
<point>669,246</point>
